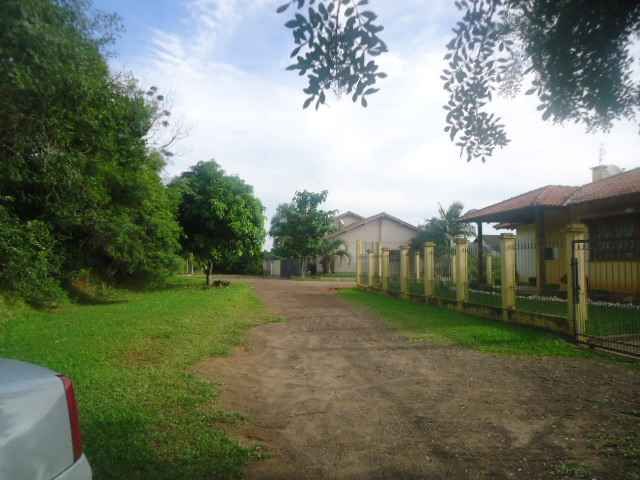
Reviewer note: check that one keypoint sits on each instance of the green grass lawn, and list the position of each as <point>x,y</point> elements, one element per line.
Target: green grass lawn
<point>548,307</point>
<point>143,415</point>
<point>440,325</point>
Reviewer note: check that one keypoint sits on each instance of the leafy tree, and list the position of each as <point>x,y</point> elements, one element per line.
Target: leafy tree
<point>222,220</point>
<point>330,248</point>
<point>299,228</point>
<point>444,228</point>
<point>335,42</point>
<point>73,140</point>
<point>577,51</point>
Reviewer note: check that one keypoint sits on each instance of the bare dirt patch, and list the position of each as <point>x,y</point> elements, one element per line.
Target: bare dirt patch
<point>334,394</point>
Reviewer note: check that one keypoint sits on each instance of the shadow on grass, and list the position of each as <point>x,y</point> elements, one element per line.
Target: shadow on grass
<point>121,445</point>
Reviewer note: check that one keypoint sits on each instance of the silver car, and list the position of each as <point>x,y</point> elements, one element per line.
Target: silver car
<point>39,429</point>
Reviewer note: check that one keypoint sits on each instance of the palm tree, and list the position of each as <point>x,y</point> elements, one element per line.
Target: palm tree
<point>444,228</point>
<point>330,248</point>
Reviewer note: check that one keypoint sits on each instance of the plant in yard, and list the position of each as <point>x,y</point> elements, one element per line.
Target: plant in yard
<point>300,227</point>
<point>444,228</point>
<point>222,220</point>
<point>330,249</point>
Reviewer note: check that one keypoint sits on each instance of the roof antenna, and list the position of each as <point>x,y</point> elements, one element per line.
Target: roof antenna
<point>602,154</point>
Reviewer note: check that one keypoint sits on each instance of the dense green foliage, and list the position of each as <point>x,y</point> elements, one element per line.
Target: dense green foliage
<point>335,43</point>
<point>76,166</point>
<point>440,325</point>
<point>443,229</point>
<point>28,260</point>
<point>578,53</point>
<point>299,228</point>
<point>143,413</point>
<point>222,220</point>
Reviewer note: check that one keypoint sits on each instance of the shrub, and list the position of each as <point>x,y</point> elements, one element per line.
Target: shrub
<point>29,263</point>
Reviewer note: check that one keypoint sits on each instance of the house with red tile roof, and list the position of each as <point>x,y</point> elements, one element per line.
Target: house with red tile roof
<point>609,206</point>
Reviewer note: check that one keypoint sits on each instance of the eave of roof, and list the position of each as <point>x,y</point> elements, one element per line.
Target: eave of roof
<point>373,218</point>
<point>520,206</point>
<point>349,213</point>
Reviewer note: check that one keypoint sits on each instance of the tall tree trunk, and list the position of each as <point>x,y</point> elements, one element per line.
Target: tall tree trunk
<point>302,267</point>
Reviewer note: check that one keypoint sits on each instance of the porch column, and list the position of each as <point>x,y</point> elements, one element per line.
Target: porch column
<point>385,269</point>
<point>404,271</point>
<point>371,258</point>
<point>541,240</point>
<point>462,272</point>
<point>481,275</point>
<point>508,273</point>
<point>576,265</point>
<point>359,262</point>
<point>429,268</point>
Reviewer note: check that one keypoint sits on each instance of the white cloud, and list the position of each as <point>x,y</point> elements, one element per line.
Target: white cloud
<point>393,156</point>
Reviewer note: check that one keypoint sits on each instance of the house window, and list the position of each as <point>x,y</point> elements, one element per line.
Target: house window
<point>615,239</point>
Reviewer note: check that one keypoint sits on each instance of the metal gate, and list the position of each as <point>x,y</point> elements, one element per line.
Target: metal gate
<point>606,306</point>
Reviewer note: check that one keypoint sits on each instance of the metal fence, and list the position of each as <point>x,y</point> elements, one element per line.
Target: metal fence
<point>603,310</point>
<point>612,320</point>
<point>445,273</point>
<point>536,293</point>
<point>484,276</point>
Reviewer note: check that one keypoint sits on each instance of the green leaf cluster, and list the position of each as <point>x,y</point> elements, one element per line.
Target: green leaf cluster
<point>576,54</point>
<point>336,45</point>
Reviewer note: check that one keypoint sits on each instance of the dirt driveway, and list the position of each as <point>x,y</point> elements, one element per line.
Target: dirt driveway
<point>332,393</point>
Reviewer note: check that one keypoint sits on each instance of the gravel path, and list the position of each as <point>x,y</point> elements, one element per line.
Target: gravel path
<point>332,393</point>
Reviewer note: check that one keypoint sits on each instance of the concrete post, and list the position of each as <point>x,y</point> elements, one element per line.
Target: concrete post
<point>371,258</point>
<point>417,264</point>
<point>359,263</point>
<point>385,269</point>
<point>379,252</point>
<point>489,270</point>
<point>404,271</point>
<point>462,272</point>
<point>508,267</point>
<point>576,265</point>
<point>429,268</point>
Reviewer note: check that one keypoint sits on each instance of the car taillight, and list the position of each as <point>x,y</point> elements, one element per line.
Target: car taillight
<point>74,420</point>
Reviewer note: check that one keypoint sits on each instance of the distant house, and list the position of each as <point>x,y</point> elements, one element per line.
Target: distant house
<point>385,229</point>
<point>609,206</point>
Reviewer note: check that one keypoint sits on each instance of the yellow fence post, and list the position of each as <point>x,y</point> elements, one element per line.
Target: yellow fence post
<point>489,270</point>
<point>359,263</point>
<point>508,273</point>
<point>576,266</point>
<point>385,269</point>
<point>429,269</point>
<point>404,271</point>
<point>417,264</point>
<point>372,267</point>
<point>462,272</point>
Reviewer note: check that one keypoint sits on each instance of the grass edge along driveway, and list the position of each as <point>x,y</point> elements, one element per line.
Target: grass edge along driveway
<point>143,415</point>
<point>443,326</point>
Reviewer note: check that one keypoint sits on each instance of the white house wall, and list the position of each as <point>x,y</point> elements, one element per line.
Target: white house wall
<point>389,233</point>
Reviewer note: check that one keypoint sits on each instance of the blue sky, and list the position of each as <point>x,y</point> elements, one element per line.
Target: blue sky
<point>221,62</point>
